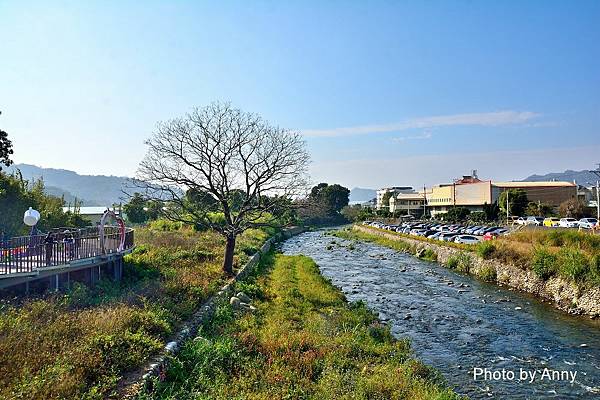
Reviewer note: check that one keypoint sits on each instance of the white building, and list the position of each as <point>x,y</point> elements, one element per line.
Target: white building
<point>394,190</point>
<point>408,203</point>
<point>94,214</point>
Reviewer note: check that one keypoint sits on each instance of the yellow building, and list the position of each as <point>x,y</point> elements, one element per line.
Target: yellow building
<point>474,194</point>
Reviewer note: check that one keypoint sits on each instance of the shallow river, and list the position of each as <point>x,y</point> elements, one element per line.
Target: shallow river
<point>458,324</point>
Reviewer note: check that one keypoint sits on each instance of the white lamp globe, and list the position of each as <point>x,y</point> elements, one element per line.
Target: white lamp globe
<point>31,217</point>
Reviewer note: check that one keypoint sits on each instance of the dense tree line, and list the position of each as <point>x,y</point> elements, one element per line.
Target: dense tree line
<point>18,194</point>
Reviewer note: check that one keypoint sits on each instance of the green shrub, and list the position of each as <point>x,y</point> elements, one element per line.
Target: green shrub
<point>488,273</point>
<point>485,249</point>
<point>464,262</point>
<point>124,350</point>
<point>452,262</point>
<point>164,225</point>
<point>573,264</point>
<point>595,269</point>
<point>543,263</point>
<point>429,255</point>
<point>251,289</point>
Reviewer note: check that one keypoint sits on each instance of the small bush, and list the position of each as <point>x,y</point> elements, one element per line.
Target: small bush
<point>429,255</point>
<point>595,269</point>
<point>543,263</point>
<point>164,225</point>
<point>488,273</point>
<point>485,249</point>
<point>452,262</point>
<point>464,262</point>
<point>573,264</point>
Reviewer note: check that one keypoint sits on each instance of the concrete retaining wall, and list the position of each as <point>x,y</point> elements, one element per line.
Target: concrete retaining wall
<point>563,294</point>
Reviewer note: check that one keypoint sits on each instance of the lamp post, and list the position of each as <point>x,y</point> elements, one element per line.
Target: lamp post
<point>31,218</point>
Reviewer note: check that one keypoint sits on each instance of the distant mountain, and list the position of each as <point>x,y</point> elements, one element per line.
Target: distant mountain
<point>361,194</point>
<point>583,178</point>
<point>68,196</point>
<point>93,190</point>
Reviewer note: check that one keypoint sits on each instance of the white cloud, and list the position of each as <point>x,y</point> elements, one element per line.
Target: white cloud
<point>422,136</point>
<point>439,168</point>
<point>497,118</point>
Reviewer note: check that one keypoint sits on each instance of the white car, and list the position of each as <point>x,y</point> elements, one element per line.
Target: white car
<point>537,221</point>
<point>568,223</point>
<point>588,223</point>
<point>521,221</point>
<point>466,239</point>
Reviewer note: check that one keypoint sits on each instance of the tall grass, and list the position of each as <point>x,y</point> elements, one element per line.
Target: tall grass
<point>543,262</point>
<point>305,341</point>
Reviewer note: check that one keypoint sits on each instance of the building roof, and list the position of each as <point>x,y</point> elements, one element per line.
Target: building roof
<point>409,196</point>
<point>533,184</point>
<point>395,188</point>
<point>87,210</point>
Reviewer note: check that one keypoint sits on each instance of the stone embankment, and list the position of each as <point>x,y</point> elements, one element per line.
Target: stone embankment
<point>562,293</point>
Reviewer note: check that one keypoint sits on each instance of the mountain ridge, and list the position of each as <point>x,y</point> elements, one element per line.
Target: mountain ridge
<point>92,190</point>
<point>584,177</point>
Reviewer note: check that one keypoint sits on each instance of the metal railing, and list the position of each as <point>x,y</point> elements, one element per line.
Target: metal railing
<point>28,253</point>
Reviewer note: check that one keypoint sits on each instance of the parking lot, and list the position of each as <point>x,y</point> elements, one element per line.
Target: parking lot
<point>473,234</point>
<point>458,233</point>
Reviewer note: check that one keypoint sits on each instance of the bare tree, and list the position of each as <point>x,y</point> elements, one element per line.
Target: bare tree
<point>222,168</point>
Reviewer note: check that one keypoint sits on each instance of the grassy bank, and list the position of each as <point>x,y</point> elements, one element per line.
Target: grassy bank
<point>77,345</point>
<point>568,254</point>
<point>304,341</point>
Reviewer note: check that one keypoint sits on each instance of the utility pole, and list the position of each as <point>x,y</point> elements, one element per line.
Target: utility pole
<point>597,173</point>
<point>424,201</point>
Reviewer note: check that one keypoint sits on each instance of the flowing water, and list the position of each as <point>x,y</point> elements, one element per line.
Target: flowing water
<point>462,326</point>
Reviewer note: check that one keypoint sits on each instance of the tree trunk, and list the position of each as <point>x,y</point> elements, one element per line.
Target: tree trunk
<point>229,250</point>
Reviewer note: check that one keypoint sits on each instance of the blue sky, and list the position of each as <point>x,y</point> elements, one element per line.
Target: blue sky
<point>386,93</point>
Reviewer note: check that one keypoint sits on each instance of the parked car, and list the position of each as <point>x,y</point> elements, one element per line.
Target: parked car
<point>512,220</point>
<point>537,221</point>
<point>568,223</point>
<point>466,239</point>
<point>551,222</point>
<point>434,236</point>
<point>447,236</point>
<point>588,223</point>
<point>472,229</point>
<point>490,236</point>
<point>521,221</point>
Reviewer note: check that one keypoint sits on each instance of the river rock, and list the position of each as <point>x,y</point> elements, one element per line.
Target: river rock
<point>244,298</point>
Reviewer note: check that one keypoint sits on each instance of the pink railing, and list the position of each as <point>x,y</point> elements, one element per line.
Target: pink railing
<point>27,253</point>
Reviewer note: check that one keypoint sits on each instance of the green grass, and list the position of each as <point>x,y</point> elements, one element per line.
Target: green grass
<point>366,237</point>
<point>304,342</point>
<point>543,263</point>
<point>485,249</point>
<point>77,345</point>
